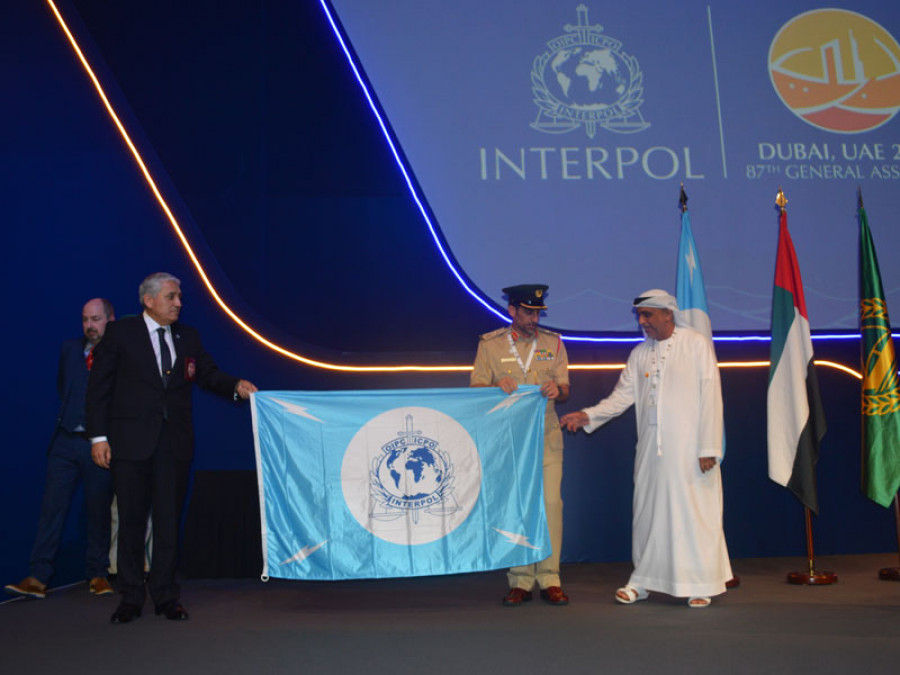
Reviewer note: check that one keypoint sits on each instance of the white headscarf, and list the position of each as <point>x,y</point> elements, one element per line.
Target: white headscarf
<point>660,299</point>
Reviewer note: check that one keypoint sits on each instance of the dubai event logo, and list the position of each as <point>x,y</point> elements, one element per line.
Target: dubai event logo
<point>837,70</point>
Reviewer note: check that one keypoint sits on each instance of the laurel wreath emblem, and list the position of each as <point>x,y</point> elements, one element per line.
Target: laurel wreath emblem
<point>874,405</point>
<point>627,105</point>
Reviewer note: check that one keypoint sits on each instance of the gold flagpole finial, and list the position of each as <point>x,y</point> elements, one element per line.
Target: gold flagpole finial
<point>780,200</point>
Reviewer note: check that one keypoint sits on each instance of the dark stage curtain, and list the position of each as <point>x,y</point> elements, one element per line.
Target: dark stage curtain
<point>222,530</point>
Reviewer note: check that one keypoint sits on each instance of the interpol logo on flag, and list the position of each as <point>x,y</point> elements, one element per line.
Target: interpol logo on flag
<point>369,484</point>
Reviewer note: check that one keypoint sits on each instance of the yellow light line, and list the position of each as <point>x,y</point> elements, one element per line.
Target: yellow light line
<point>744,364</point>
<point>841,367</point>
<point>722,364</point>
<point>258,337</point>
<point>819,362</point>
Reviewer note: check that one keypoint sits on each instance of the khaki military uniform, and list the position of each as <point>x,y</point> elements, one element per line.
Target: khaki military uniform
<point>494,361</point>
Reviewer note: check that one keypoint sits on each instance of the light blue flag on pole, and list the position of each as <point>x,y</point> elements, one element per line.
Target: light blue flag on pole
<point>690,291</point>
<point>372,484</point>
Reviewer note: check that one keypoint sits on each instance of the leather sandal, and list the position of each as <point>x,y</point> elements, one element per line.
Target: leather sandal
<point>628,594</point>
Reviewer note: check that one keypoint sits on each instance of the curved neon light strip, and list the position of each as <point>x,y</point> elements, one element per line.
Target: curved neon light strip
<point>724,364</point>
<point>165,207</point>
<point>297,357</point>
<point>841,367</point>
<point>406,176</point>
<point>819,362</point>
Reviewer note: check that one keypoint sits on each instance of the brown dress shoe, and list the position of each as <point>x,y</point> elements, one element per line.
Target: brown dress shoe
<point>29,587</point>
<point>100,586</point>
<point>554,595</point>
<point>516,597</point>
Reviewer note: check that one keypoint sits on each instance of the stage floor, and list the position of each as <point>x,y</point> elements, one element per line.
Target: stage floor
<point>457,625</point>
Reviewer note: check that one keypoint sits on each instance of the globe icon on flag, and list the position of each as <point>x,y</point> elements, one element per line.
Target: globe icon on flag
<point>412,472</point>
<point>399,478</point>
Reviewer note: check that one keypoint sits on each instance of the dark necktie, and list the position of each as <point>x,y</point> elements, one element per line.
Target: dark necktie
<point>165,356</point>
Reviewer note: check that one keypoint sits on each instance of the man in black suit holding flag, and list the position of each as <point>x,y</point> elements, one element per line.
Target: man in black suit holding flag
<point>139,419</point>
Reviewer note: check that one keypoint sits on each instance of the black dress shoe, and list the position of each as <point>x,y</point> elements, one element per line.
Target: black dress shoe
<point>173,611</point>
<point>125,613</point>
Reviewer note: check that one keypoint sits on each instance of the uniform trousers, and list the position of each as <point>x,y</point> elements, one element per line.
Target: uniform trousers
<point>546,572</point>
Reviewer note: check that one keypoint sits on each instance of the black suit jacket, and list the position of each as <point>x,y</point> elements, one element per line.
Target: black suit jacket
<point>126,399</point>
<point>71,384</point>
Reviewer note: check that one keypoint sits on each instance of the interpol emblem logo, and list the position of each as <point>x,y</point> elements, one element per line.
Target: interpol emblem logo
<point>585,79</point>
<point>413,484</point>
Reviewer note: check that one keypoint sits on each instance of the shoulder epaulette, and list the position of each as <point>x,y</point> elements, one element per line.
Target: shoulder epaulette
<point>547,332</point>
<point>495,333</point>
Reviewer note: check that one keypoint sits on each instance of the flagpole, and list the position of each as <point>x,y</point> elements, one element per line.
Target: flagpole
<point>893,573</point>
<point>735,580</point>
<point>809,577</point>
<point>872,291</point>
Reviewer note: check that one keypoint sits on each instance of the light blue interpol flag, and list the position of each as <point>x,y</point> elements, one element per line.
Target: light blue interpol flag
<point>369,484</point>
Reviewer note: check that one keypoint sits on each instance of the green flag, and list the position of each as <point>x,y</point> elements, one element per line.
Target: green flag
<point>880,393</point>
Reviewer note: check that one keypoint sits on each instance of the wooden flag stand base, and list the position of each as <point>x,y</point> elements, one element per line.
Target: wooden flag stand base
<point>893,573</point>
<point>811,577</point>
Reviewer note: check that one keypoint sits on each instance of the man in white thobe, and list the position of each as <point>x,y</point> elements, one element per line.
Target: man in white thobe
<point>672,379</point>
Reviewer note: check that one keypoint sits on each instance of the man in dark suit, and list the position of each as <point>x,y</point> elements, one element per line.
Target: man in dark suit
<point>68,461</point>
<point>139,421</point>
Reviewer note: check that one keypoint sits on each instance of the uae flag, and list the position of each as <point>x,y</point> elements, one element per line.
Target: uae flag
<point>880,389</point>
<point>796,422</point>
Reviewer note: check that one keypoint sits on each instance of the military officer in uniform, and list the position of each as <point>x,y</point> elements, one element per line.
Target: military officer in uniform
<point>524,353</point>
